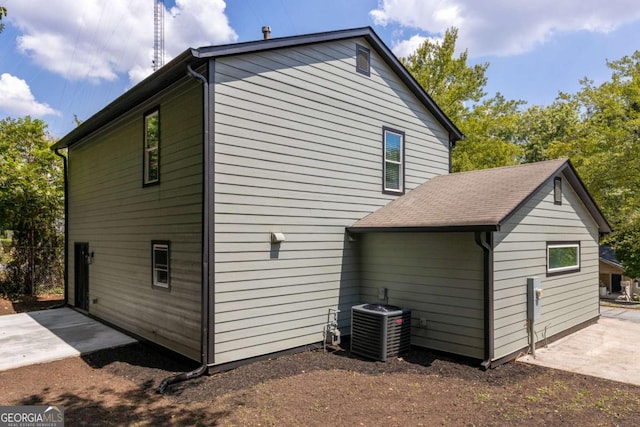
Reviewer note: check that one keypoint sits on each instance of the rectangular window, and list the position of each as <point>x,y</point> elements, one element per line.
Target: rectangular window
<point>363,60</point>
<point>393,173</point>
<point>152,148</point>
<point>161,272</point>
<point>557,190</point>
<point>563,257</point>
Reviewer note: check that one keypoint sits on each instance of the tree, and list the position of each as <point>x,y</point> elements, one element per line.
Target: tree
<point>491,135</point>
<point>448,80</point>
<point>605,145</point>
<point>3,13</point>
<point>626,242</point>
<point>489,125</point>
<point>31,203</point>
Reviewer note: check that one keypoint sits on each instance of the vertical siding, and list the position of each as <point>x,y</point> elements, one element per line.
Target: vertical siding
<point>520,252</point>
<point>439,276</point>
<point>298,150</point>
<point>109,208</point>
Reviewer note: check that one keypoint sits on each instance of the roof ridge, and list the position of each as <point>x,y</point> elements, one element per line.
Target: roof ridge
<point>520,165</point>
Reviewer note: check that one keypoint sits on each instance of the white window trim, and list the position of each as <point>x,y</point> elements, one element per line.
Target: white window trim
<point>571,268</point>
<point>399,190</point>
<point>155,269</point>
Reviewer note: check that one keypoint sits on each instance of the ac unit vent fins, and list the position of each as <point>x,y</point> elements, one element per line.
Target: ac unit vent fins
<point>380,331</point>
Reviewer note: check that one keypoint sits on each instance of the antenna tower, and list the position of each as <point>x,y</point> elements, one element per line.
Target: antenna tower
<point>158,34</point>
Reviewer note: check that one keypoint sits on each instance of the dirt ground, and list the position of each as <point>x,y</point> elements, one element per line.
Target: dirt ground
<point>28,303</point>
<point>117,387</point>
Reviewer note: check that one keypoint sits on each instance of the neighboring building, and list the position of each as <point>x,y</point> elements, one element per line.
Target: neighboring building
<point>208,208</point>
<point>612,273</point>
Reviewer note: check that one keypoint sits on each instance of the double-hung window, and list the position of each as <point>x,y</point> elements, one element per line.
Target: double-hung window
<point>151,148</point>
<point>393,164</point>
<point>563,257</point>
<point>160,268</point>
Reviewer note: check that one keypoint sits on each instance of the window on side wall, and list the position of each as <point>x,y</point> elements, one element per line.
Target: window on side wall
<point>151,148</point>
<point>563,257</point>
<point>160,266</point>
<point>393,162</point>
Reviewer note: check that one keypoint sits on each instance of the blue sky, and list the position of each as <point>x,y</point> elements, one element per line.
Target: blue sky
<point>60,58</point>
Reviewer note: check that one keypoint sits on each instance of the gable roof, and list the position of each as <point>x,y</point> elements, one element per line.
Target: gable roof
<point>608,255</point>
<point>481,200</point>
<point>177,69</point>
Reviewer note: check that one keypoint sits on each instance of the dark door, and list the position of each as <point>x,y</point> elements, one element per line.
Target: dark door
<point>81,276</point>
<point>615,283</point>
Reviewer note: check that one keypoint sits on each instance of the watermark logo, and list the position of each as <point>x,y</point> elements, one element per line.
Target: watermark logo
<point>31,416</point>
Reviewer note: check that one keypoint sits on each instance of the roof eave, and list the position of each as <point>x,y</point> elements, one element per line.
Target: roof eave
<point>139,93</point>
<point>580,189</point>
<point>585,196</point>
<point>177,67</point>
<point>611,263</point>
<point>424,229</point>
<point>368,33</point>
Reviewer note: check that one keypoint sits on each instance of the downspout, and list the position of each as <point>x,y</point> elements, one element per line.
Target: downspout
<point>66,228</point>
<point>487,247</point>
<point>207,239</point>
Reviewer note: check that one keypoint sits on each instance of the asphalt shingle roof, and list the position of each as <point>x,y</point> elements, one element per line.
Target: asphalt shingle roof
<point>481,199</point>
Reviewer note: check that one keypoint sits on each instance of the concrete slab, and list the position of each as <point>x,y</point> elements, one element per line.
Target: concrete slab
<point>607,349</point>
<point>48,335</point>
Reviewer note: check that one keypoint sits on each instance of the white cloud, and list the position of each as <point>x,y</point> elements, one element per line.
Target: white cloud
<point>97,40</point>
<point>18,100</point>
<point>498,27</point>
<point>404,48</point>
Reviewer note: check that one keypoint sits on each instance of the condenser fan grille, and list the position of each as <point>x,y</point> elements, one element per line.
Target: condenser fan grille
<point>380,331</point>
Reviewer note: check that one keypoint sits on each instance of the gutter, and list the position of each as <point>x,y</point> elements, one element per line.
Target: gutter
<point>206,353</point>
<point>66,228</point>
<point>487,247</point>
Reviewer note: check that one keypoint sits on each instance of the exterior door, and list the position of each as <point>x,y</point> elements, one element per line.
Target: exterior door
<point>616,280</point>
<point>81,275</point>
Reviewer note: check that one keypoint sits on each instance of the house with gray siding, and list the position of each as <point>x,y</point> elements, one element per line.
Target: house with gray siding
<point>458,251</point>
<point>226,204</point>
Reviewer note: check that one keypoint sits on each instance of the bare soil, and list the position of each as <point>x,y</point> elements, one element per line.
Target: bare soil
<point>117,387</point>
<point>26,303</point>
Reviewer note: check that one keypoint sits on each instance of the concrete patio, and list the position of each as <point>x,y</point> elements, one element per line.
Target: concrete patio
<point>48,335</point>
<point>608,349</point>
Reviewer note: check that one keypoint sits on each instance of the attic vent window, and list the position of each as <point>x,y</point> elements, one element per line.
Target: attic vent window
<point>363,60</point>
<point>151,148</point>
<point>557,190</point>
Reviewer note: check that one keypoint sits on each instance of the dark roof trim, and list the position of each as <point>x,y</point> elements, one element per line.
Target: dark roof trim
<point>585,196</point>
<point>581,190</point>
<point>532,194</point>
<point>436,229</point>
<point>176,69</point>
<point>611,263</point>
<point>156,82</point>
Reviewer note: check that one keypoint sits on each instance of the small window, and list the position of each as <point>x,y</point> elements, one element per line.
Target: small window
<point>161,273</point>
<point>563,257</point>
<point>152,148</point>
<point>557,190</point>
<point>393,174</point>
<point>363,60</point>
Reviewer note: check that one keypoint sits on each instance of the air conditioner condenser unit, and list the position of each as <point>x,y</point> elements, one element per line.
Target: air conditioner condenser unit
<point>380,331</point>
